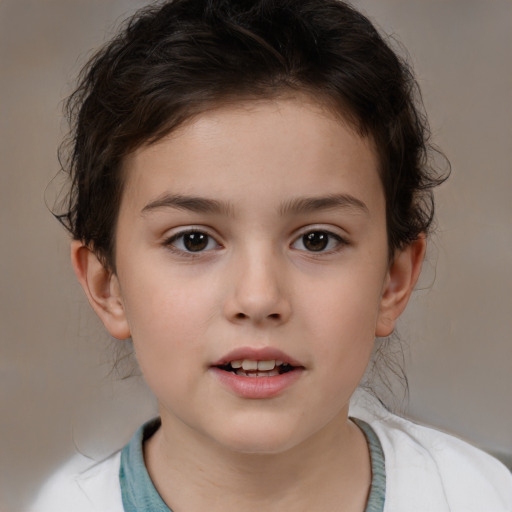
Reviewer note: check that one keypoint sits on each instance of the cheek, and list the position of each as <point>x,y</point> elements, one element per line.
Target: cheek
<point>169,322</point>
<point>342,316</point>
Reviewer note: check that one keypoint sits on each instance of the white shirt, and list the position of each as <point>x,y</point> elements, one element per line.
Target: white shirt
<point>426,471</point>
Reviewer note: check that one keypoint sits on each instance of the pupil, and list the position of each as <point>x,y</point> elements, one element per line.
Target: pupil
<point>195,241</point>
<point>315,241</point>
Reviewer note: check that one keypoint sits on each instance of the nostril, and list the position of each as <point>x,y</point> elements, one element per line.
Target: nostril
<point>241,316</point>
<point>275,316</point>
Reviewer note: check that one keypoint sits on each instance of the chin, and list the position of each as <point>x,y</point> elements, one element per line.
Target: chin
<point>250,445</point>
<point>258,437</point>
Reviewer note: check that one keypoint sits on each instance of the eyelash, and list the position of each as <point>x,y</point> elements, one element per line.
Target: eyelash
<point>171,243</point>
<point>330,238</point>
<point>339,242</point>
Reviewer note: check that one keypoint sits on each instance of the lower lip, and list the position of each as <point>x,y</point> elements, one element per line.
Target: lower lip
<point>257,387</point>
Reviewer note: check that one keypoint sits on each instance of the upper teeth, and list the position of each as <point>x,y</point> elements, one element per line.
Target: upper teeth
<point>250,364</point>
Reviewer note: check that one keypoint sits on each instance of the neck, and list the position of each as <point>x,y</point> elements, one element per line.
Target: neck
<point>329,471</point>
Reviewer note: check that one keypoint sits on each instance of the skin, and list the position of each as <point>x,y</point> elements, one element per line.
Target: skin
<point>256,284</point>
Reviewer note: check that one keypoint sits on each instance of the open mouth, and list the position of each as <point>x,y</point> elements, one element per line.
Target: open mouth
<point>253,368</point>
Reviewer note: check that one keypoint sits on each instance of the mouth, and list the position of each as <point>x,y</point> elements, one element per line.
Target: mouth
<point>257,373</point>
<point>257,368</point>
<point>257,362</point>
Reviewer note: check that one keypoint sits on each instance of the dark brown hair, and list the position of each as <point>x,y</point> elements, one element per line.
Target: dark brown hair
<point>176,59</point>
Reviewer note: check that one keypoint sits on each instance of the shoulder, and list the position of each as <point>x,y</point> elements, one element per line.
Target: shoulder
<point>82,485</point>
<point>430,470</point>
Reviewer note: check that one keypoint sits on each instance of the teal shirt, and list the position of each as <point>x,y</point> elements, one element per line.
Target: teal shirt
<point>139,493</point>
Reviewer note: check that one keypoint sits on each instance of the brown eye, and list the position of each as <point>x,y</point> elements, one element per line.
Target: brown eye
<point>318,241</point>
<point>195,242</point>
<point>192,241</point>
<point>315,241</point>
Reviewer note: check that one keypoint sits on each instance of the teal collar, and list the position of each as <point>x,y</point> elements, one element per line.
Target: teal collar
<point>139,493</point>
<point>137,489</point>
<point>377,495</point>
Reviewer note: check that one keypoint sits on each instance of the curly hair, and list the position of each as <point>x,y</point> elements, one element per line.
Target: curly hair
<point>176,59</point>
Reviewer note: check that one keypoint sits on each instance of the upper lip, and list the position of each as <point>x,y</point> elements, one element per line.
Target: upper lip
<point>256,354</point>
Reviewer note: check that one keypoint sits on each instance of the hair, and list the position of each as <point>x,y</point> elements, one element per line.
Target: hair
<point>174,60</point>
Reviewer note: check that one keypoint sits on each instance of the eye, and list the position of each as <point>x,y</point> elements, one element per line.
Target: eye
<point>318,241</point>
<point>192,241</point>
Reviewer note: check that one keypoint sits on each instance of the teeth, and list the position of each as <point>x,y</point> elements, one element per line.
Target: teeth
<point>271,373</point>
<point>253,368</point>
<point>250,364</point>
<point>247,364</point>
<point>266,365</point>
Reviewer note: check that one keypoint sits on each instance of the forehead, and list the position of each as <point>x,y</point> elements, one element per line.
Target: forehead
<point>270,148</point>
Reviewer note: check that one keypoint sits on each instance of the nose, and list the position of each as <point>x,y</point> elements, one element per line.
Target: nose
<point>258,291</point>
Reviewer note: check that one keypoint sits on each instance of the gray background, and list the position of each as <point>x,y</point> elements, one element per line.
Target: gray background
<point>58,392</point>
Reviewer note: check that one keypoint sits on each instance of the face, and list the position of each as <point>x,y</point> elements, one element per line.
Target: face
<point>254,237</point>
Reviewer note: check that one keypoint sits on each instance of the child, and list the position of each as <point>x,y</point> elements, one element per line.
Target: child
<point>250,203</point>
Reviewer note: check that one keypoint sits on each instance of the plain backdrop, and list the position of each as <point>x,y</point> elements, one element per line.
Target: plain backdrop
<point>58,390</point>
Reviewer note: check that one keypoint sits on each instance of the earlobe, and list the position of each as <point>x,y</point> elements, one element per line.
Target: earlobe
<point>402,276</point>
<point>102,289</point>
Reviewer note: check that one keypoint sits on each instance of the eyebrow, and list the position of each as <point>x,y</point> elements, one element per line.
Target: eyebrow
<point>333,201</point>
<point>295,206</point>
<point>190,203</point>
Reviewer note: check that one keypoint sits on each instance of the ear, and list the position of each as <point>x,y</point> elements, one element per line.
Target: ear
<point>402,275</point>
<point>102,289</point>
